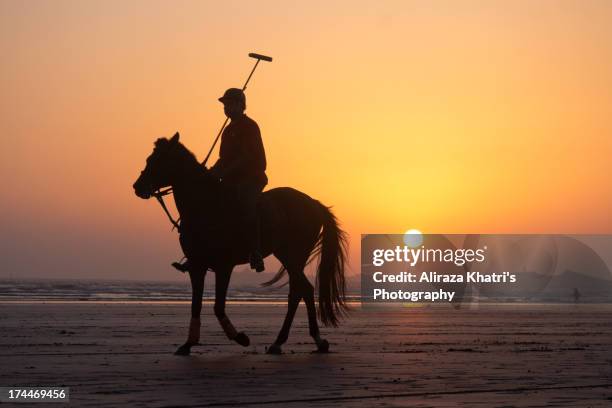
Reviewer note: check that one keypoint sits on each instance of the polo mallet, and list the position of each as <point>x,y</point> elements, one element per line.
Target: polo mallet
<point>160,194</point>
<point>258,57</point>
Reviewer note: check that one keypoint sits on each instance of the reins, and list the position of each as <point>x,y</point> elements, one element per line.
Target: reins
<point>159,194</point>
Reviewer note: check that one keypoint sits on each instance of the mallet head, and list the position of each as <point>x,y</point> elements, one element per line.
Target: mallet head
<point>260,57</point>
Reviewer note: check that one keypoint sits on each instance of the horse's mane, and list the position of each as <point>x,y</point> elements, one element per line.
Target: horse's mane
<point>183,152</point>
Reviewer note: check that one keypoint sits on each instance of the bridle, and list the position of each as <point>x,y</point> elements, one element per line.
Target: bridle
<point>159,195</point>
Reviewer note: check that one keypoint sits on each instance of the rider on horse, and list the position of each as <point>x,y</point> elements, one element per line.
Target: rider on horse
<point>242,167</point>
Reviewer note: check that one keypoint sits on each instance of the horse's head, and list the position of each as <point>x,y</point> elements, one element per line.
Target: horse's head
<point>161,167</point>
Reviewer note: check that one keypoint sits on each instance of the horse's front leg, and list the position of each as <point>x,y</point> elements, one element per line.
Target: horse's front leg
<point>222,278</point>
<point>197,291</point>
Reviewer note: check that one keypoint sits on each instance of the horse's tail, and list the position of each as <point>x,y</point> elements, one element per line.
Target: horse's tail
<point>332,246</point>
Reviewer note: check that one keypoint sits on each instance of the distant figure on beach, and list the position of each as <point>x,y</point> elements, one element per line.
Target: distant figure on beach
<point>576,295</point>
<point>242,167</point>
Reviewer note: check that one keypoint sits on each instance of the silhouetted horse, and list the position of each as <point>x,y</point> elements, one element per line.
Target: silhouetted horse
<point>294,227</point>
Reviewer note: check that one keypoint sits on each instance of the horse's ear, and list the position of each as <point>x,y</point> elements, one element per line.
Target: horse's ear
<point>175,138</point>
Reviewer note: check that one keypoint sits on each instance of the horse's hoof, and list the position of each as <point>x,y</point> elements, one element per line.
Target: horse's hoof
<point>323,346</point>
<point>274,349</point>
<point>242,339</point>
<point>184,350</point>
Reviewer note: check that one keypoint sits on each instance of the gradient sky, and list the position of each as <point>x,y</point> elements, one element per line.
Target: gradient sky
<point>446,116</point>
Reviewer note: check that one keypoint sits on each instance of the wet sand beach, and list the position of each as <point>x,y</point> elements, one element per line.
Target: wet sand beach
<point>116,354</point>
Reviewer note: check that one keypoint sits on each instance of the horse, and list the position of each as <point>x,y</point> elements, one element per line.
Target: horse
<point>295,228</point>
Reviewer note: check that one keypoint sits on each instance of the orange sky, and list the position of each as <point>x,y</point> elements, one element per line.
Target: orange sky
<point>446,116</point>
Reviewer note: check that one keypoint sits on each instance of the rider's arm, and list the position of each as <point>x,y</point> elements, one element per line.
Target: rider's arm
<point>231,167</point>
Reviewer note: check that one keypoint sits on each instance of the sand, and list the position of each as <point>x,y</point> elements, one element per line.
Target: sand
<point>121,354</point>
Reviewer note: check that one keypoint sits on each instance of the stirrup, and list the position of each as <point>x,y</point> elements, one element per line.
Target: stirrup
<point>256,261</point>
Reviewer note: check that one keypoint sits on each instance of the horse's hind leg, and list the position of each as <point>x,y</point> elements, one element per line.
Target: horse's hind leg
<point>322,344</point>
<point>293,302</point>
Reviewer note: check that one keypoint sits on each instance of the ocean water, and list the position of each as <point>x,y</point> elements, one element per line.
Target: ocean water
<point>25,290</point>
<point>100,290</point>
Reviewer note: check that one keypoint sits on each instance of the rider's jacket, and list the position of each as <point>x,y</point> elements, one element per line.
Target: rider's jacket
<point>242,158</point>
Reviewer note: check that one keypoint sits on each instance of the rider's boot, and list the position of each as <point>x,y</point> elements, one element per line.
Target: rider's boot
<point>182,267</point>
